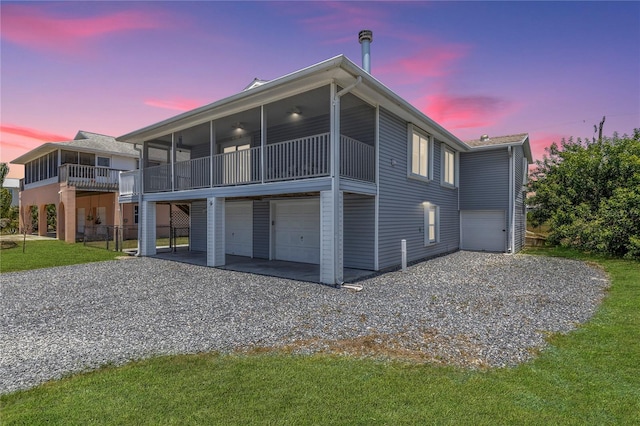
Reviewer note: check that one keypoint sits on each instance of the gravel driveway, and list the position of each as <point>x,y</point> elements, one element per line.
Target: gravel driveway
<point>469,309</point>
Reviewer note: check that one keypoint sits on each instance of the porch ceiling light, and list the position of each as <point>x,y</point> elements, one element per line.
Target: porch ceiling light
<point>238,126</point>
<point>294,111</point>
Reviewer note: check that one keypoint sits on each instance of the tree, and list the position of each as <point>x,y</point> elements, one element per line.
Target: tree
<point>5,194</point>
<point>589,194</point>
<point>8,213</point>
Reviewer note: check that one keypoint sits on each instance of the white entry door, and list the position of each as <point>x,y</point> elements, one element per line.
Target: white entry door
<point>238,218</point>
<point>483,230</point>
<point>296,230</point>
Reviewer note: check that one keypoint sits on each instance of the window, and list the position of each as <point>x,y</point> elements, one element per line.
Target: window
<point>104,162</point>
<point>135,214</point>
<point>87,159</point>
<point>448,166</point>
<point>431,223</point>
<point>420,147</point>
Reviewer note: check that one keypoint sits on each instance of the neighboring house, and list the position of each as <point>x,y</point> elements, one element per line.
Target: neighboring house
<point>13,185</point>
<point>80,178</point>
<point>325,165</point>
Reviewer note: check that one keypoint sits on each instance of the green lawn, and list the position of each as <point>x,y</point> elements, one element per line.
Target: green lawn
<point>589,376</point>
<point>48,253</point>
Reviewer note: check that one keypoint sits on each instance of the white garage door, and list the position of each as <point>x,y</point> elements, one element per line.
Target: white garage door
<point>297,230</point>
<point>238,216</point>
<point>483,230</point>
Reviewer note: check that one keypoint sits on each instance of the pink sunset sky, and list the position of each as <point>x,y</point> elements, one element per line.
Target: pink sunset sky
<point>551,69</point>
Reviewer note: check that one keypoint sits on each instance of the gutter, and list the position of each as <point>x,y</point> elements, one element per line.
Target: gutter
<point>338,277</point>
<point>510,248</point>
<point>140,168</point>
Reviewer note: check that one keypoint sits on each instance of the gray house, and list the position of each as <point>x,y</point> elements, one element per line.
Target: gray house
<point>326,166</point>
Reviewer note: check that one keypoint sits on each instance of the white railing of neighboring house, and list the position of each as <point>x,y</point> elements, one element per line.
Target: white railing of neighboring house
<point>192,174</point>
<point>289,160</point>
<point>237,167</point>
<point>130,182</point>
<point>89,177</point>
<point>357,159</point>
<point>298,158</point>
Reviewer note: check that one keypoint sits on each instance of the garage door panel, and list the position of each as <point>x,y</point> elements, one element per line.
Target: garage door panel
<point>297,231</point>
<point>239,228</point>
<point>483,230</point>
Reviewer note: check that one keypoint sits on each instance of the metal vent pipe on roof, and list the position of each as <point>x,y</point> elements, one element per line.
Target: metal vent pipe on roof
<point>365,37</point>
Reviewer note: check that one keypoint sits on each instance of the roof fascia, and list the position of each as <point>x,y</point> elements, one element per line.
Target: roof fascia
<point>36,152</point>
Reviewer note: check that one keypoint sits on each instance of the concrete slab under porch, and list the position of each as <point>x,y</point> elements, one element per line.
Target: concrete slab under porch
<point>275,268</point>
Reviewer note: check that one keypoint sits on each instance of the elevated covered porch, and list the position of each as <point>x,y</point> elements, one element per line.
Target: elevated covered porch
<point>282,141</point>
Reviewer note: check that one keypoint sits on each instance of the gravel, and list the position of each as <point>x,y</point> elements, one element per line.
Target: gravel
<point>469,309</point>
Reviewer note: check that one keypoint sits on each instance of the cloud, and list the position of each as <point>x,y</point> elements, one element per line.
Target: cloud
<point>459,112</point>
<point>335,21</point>
<point>37,28</point>
<point>179,104</point>
<point>30,133</point>
<point>539,141</point>
<point>433,61</point>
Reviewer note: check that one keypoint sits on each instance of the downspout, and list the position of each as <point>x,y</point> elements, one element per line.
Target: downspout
<point>335,170</point>
<point>511,203</point>
<point>140,190</point>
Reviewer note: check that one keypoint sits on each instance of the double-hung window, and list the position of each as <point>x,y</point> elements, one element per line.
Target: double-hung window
<point>420,155</point>
<point>448,167</point>
<point>431,223</point>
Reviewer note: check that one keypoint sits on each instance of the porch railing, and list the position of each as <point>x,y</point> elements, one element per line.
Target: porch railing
<point>130,182</point>
<point>157,178</point>
<point>298,158</point>
<point>289,160</point>
<point>89,177</point>
<point>237,167</point>
<point>192,174</point>
<point>357,159</point>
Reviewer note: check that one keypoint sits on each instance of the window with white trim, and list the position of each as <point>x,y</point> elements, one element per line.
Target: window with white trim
<point>448,166</point>
<point>135,214</point>
<point>431,223</point>
<point>104,162</point>
<point>420,155</point>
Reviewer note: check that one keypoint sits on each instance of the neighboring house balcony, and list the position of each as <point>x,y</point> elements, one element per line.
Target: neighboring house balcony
<point>301,158</point>
<point>89,178</point>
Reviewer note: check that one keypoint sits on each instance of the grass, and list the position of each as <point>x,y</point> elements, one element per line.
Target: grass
<point>589,376</point>
<point>48,253</point>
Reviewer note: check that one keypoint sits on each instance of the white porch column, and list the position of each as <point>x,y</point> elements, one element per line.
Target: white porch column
<point>215,232</point>
<point>331,238</point>
<point>147,224</point>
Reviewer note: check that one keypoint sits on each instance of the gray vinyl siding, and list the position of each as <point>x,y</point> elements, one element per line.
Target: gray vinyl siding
<point>299,129</point>
<point>359,121</point>
<point>484,180</point>
<point>261,223</point>
<point>359,231</point>
<point>520,216</point>
<point>198,233</point>
<point>401,213</point>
